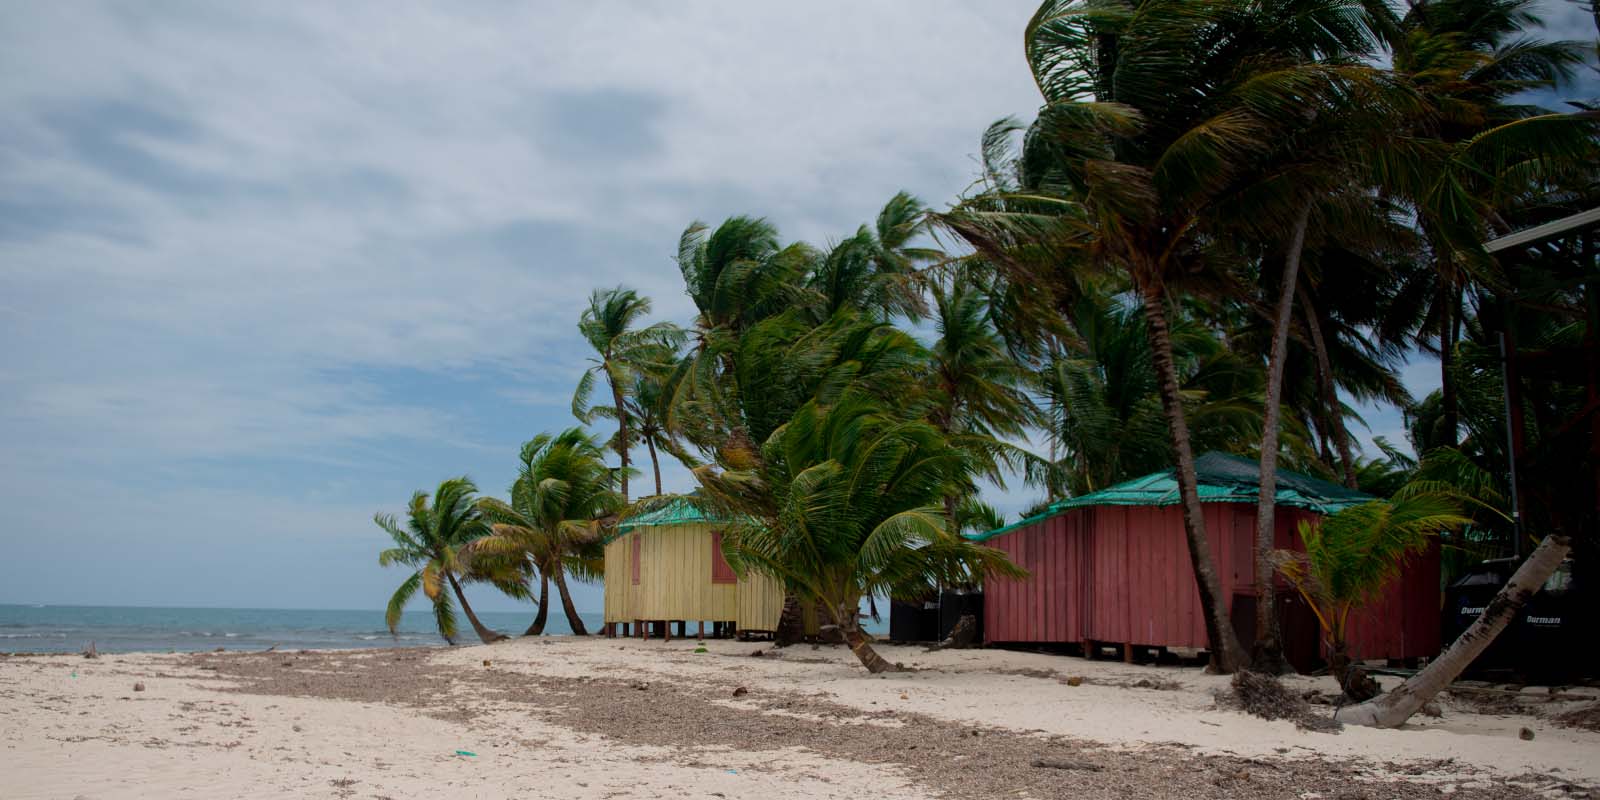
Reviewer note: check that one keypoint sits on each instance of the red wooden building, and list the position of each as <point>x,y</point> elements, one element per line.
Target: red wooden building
<point>1112,568</point>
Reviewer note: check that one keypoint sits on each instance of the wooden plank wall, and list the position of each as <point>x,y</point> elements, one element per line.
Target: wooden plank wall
<point>675,582</point>
<point>1122,574</point>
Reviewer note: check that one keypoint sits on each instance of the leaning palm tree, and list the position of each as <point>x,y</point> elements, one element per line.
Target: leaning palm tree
<point>622,350</point>
<point>561,496</point>
<point>845,506</point>
<point>1351,556</point>
<point>431,542</point>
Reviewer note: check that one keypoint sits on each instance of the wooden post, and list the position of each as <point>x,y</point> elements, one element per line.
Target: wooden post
<point>1127,652</point>
<point>666,630</point>
<point>702,624</point>
<point>644,630</point>
<point>1089,651</point>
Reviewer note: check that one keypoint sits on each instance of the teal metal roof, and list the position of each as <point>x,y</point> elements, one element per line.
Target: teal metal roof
<point>1222,478</point>
<point>678,511</point>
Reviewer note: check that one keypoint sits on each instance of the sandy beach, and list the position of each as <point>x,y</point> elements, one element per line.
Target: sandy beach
<point>602,718</point>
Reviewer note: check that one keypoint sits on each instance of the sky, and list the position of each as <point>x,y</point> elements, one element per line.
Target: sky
<point>267,269</point>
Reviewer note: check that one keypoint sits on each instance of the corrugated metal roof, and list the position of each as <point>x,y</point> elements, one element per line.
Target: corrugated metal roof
<point>1222,478</point>
<point>678,511</point>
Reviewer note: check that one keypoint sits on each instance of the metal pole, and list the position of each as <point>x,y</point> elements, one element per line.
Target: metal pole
<point>1511,448</point>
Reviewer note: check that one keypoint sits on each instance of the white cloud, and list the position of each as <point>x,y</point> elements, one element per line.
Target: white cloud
<point>242,247</point>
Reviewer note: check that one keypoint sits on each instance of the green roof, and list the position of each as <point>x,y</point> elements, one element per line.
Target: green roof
<point>677,511</point>
<point>1222,478</point>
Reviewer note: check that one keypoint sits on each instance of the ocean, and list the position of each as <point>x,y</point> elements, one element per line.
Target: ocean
<point>117,629</point>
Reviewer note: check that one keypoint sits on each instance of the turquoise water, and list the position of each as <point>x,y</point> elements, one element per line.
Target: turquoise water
<point>115,629</point>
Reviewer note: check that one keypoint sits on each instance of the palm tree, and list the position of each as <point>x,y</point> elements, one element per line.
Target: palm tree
<point>430,543</point>
<point>608,325</point>
<point>1351,556</point>
<point>979,396</point>
<point>1103,408</point>
<point>1393,708</point>
<point>649,402</point>
<point>1469,59</point>
<point>875,271</point>
<point>844,506</point>
<point>562,495</point>
<point>1156,111</point>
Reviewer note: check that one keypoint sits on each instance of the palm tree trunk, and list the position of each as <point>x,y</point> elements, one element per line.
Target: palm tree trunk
<point>1445,297</point>
<point>573,620</point>
<point>850,629</point>
<point>1394,708</point>
<point>488,636</point>
<point>622,437</point>
<point>1267,655</point>
<point>655,462</point>
<point>1330,393</point>
<point>1227,655</point>
<point>537,628</point>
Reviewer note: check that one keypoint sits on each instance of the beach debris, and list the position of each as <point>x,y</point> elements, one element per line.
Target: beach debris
<point>1075,680</point>
<point>1526,734</point>
<point>1262,695</point>
<point>1057,763</point>
<point>1585,717</point>
<point>296,728</point>
<point>701,648</point>
<point>961,635</point>
<point>904,696</point>
<point>641,686</point>
<point>138,686</point>
<point>740,692</point>
<point>467,753</point>
<point>486,662</point>
<point>220,650</point>
<point>757,653</point>
<point>272,648</point>
<point>90,651</point>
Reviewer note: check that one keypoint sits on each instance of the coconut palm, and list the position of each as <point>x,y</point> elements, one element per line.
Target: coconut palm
<point>562,494</point>
<point>875,270</point>
<point>844,505</point>
<point>1155,112</point>
<point>608,324</point>
<point>979,391</point>
<point>1470,59</point>
<point>430,543</point>
<point>649,402</point>
<point>1351,556</point>
<point>1104,416</point>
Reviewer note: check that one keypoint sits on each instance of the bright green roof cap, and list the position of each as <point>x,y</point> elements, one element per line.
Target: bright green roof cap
<point>1223,478</point>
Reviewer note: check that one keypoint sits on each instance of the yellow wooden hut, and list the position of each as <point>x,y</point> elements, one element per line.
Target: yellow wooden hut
<point>667,566</point>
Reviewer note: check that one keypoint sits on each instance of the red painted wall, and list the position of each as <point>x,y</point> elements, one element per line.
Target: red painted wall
<point>1121,574</point>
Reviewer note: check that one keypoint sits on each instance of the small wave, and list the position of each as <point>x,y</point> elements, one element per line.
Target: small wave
<point>33,636</point>
<point>230,635</point>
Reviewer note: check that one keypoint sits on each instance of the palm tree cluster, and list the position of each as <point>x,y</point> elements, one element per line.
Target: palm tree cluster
<point>1229,222</point>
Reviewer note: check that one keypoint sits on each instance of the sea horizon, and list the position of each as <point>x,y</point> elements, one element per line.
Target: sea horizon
<point>71,628</point>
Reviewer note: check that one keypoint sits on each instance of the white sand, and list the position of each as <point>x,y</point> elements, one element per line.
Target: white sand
<point>70,727</point>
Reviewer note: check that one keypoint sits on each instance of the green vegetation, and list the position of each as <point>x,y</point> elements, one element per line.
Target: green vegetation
<point>1226,222</point>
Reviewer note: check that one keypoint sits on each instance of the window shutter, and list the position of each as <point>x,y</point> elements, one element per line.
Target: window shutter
<point>633,556</point>
<point>721,572</point>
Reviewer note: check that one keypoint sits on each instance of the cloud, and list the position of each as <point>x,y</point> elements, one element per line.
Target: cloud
<point>262,260</point>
